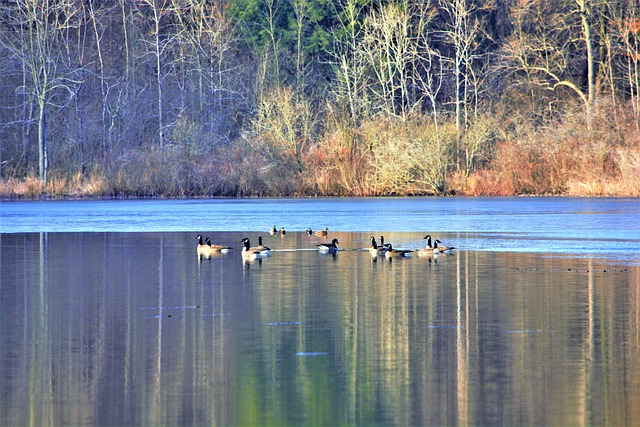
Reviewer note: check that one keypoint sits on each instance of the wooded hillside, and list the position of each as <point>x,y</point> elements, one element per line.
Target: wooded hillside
<point>319,97</point>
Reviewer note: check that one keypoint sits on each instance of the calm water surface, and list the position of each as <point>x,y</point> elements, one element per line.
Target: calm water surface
<point>136,329</point>
<point>109,317</point>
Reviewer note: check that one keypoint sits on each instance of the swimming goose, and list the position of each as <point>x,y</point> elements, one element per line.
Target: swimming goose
<point>203,249</point>
<point>376,250</point>
<point>328,247</point>
<point>322,233</point>
<point>309,232</point>
<point>429,250</point>
<point>442,249</point>
<point>216,248</point>
<point>396,253</point>
<point>248,252</point>
<point>264,250</point>
<point>282,231</point>
<point>273,231</point>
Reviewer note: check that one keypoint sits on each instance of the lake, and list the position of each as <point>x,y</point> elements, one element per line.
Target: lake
<point>108,316</point>
<point>606,227</point>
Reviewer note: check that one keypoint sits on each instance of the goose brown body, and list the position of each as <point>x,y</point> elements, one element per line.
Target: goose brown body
<point>396,253</point>
<point>207,249</point>
<point>442,248</point>
<point>264,250</point>
<point>248,252</point>
<point>429,249</point>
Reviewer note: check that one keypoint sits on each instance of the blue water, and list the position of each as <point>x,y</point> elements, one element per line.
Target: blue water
<point>607,227</point>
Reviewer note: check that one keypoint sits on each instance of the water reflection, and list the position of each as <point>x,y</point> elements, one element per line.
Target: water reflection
<point>135,328</point>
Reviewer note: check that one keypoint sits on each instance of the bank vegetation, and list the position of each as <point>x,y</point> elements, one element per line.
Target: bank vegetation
<point>207,98</point>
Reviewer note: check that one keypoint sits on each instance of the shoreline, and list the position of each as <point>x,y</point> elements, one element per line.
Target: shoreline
<point>73,198</point>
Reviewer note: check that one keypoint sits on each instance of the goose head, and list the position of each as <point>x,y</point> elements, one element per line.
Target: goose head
<point>246,243</point>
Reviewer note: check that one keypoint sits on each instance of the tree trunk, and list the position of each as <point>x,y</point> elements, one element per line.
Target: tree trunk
<point>158,53</point>
<point>103,83</point>
<point>43,160</point>
<point>591,63</point>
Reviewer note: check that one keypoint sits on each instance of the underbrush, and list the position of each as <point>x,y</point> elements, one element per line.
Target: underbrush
<point>381,156</point>
<point>571,156</point>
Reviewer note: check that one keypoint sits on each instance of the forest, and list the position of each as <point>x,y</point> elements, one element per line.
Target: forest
<point>258,98</point>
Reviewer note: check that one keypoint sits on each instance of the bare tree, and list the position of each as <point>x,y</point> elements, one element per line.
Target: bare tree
<point>37,38</point>
<point>625,18</point>
<point>207,30</point>
<point>428,73</point>
<point>552,41</point>
<point>386,44</point>
<point>95,16</point>
<point>585,11</point>
<point>462,32</point>
<point>284,123</point>
<point>300,10</point>
<point>272,9</point>
<point>348,61</point>
<point>159,14</point>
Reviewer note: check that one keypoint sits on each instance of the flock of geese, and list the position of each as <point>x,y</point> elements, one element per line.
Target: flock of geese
<point>433,247</point>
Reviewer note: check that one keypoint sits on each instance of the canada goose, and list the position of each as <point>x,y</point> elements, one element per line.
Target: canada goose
<point>282,231</point>
<point>309,232</point>
<point>216,248</point>
<point>248,252</point>
<point>376,250</point>
<point>442,249</point>
<point>264,250</point>
<point>429,250</point>
<point>207,249</point>
<point>328,247</point>
<point>203,249</point>
<point>396,253</point>
<point>273,231</point>
<point>322,233</point>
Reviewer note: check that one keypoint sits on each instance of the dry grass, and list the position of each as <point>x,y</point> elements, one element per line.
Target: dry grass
<point>32,187</point>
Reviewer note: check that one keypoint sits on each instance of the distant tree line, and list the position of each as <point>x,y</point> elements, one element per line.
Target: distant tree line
<point>279,97</point>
